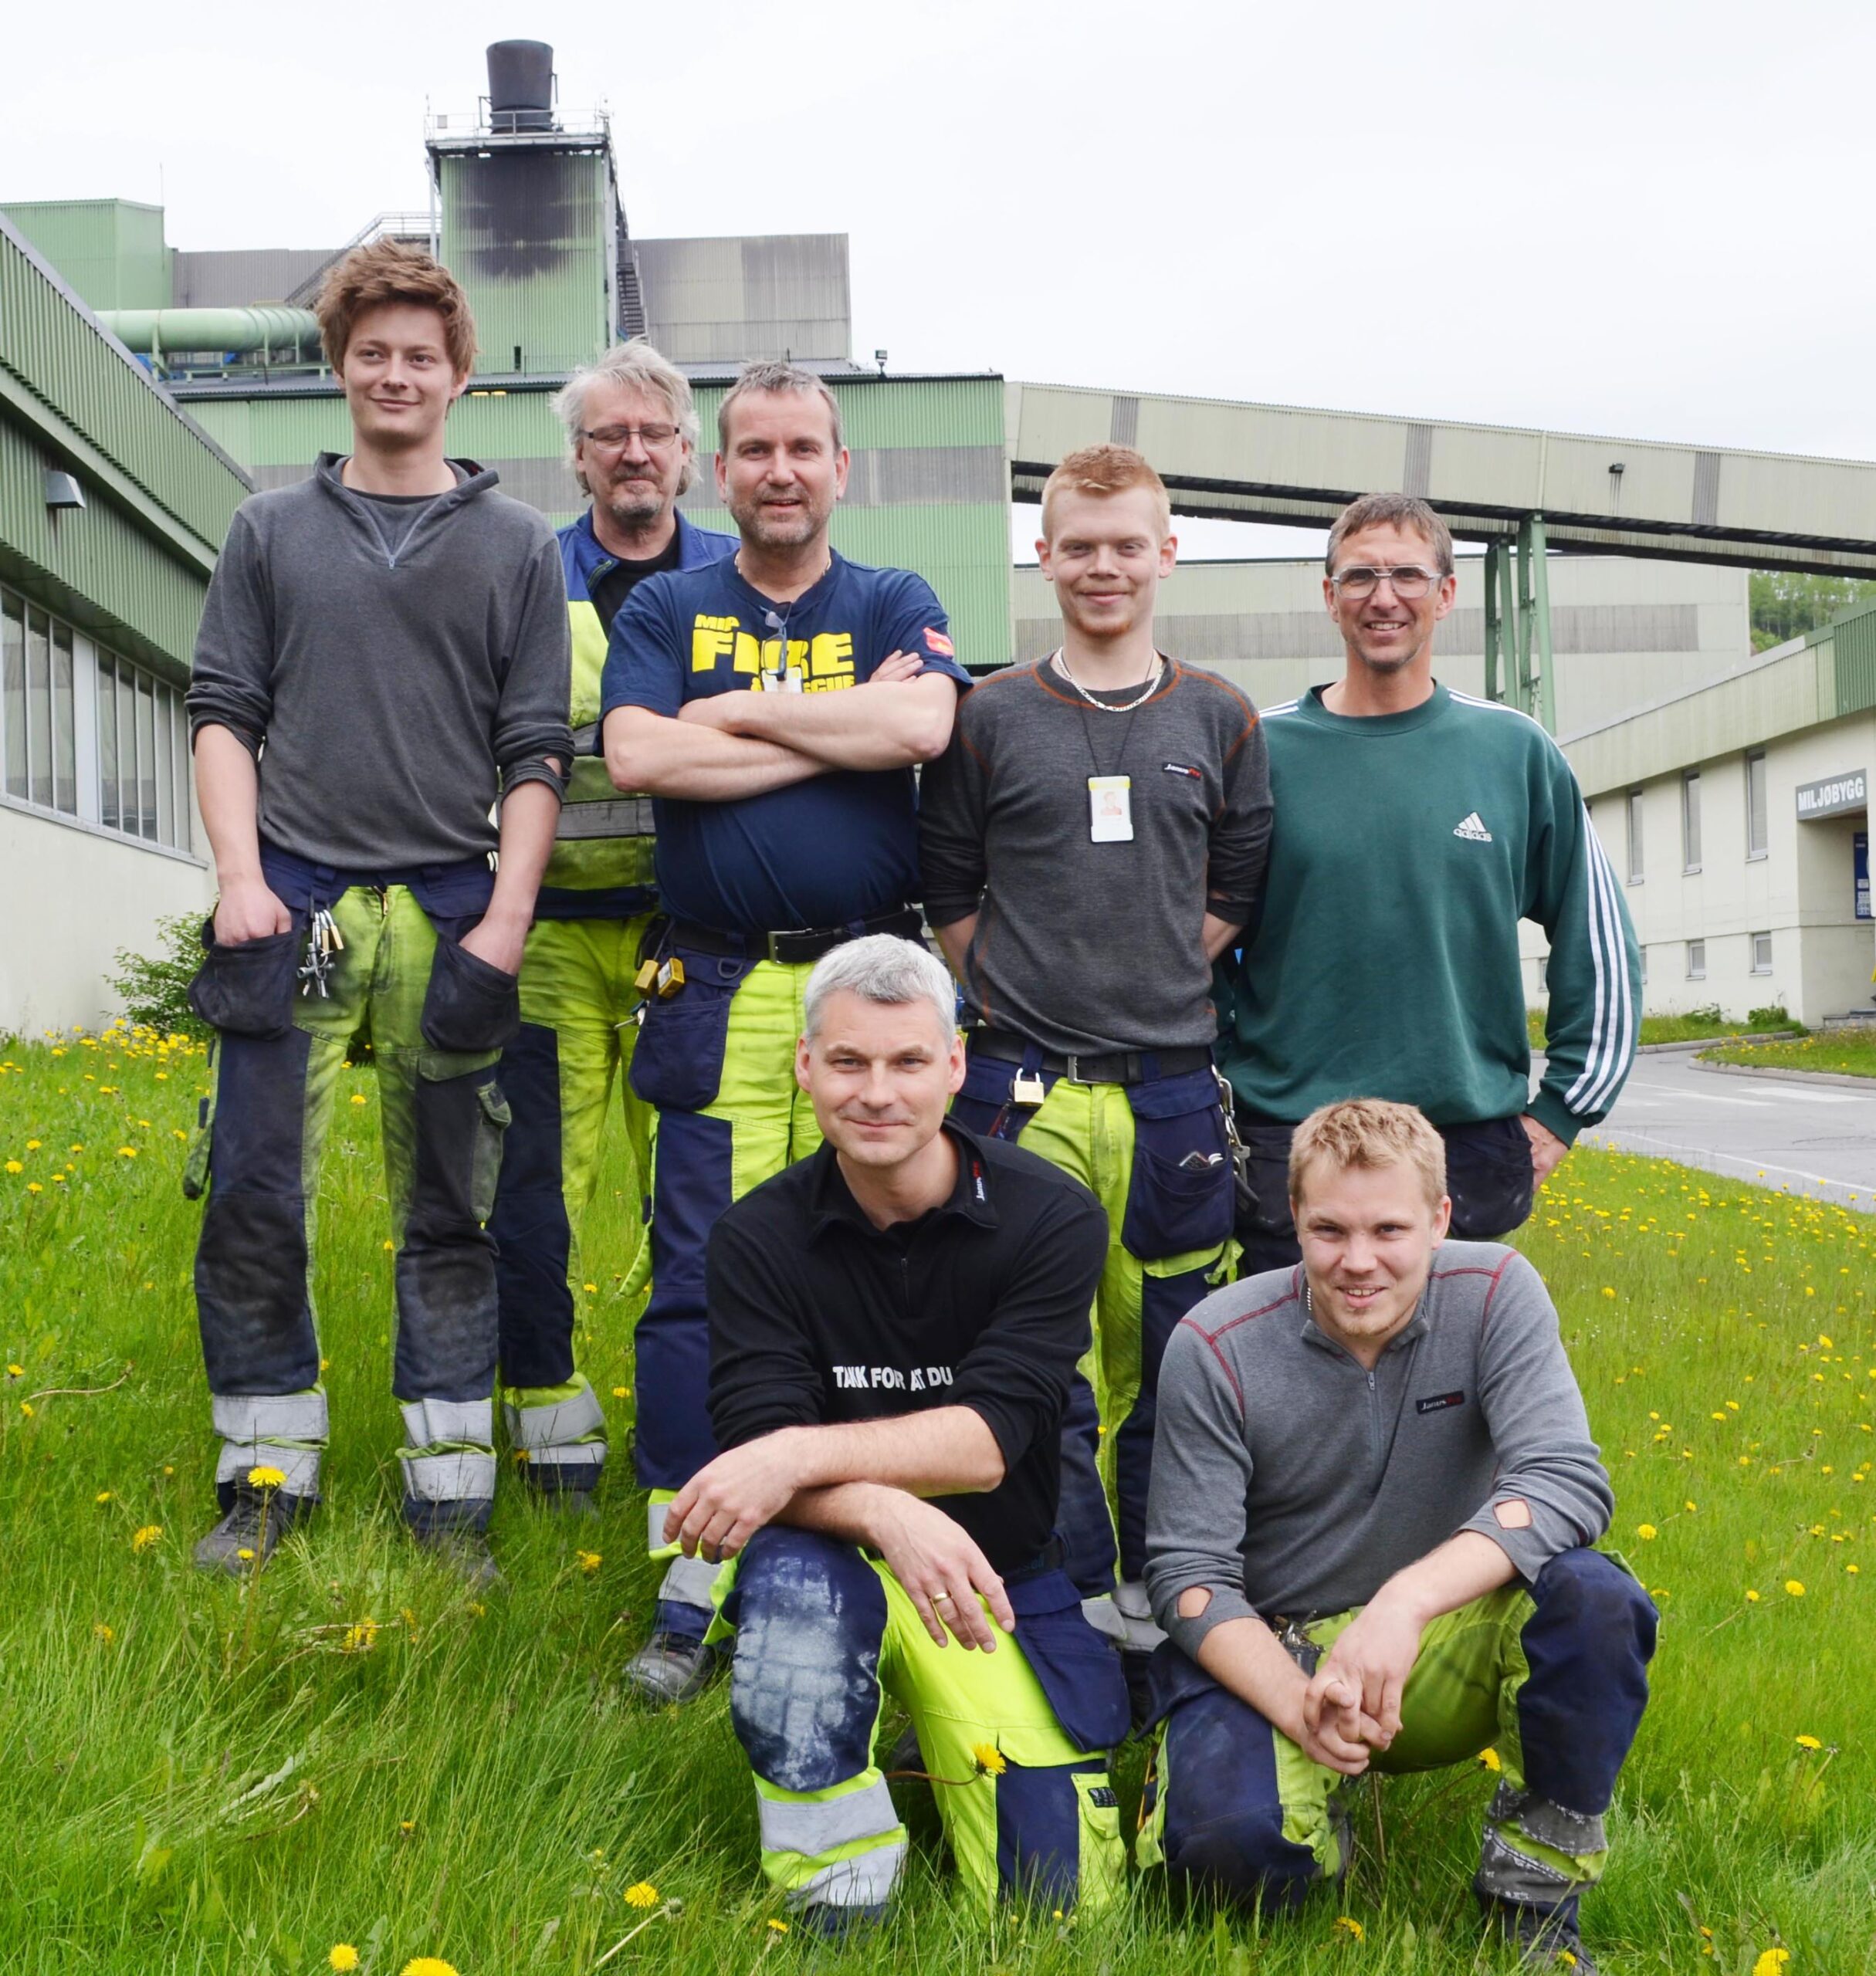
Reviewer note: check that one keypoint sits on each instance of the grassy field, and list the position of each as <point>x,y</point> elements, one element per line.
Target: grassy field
<point>1851,1051</point>
<point>211,1778</point>
<point>1696,1026</point>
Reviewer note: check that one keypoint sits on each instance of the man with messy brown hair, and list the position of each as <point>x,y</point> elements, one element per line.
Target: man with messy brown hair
<point>383,659</point>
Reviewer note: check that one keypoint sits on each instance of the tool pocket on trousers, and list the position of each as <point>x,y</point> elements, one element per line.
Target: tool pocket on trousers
<point>248,989</point>
<point>677,1064</point>
<point>492,1118</point>
<point>1179,1195</point>
<point>469,1007</point>
<point>1489,1175</point>
<point>1266,1173</point>
<point>1076,1668</point>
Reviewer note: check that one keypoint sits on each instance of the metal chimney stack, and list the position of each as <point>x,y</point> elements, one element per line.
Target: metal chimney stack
<point>520,86</point>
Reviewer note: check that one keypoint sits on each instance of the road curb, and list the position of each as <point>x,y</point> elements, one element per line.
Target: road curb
<point>1794,1077</point>
<point>1711,1042</point>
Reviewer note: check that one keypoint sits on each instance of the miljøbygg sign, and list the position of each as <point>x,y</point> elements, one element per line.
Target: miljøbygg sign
<point>1836,796</point>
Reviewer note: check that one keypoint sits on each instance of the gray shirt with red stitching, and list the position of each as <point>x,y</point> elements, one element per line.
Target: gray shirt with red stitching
<point>1288,1480</point>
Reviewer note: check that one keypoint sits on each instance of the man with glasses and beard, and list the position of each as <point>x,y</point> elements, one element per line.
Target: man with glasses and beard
<point>1415,826</point>
<point>631,433</point>
<point>775,704</point>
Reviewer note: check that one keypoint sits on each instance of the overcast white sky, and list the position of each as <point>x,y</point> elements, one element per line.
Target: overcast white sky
<point>1645,219</point>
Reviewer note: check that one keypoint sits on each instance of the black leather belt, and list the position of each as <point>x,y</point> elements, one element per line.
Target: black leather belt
<point>1112,1067</point>
<point>796,944</point>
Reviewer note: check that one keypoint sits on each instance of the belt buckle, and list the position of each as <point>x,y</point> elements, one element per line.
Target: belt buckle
<point>1073,1073</point>
<point>772,941</point>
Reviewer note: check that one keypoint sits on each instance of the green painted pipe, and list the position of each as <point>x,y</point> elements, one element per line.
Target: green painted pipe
<point>150,332</point>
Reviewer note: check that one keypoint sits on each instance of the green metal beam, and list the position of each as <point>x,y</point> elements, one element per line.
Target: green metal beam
<point>1546,708</point>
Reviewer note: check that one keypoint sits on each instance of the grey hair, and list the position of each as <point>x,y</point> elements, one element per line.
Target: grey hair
<point>639,367</point>
<point>772,376</point>
<point>881,968</point>
<point>1406,511</point>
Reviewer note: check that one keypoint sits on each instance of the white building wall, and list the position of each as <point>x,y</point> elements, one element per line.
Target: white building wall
<point>72,894</point>
<point>1800,892</point>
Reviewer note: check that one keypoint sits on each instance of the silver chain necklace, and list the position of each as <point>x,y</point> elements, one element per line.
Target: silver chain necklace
<point>1108,706</point>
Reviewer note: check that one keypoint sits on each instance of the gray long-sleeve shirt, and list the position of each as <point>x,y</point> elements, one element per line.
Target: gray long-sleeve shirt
<point>386,688</point>
<point>1288,1480</point>
<point>1081,946</point>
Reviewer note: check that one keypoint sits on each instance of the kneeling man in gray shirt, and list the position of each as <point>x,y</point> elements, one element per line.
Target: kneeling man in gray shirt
<point>1374,1492</point>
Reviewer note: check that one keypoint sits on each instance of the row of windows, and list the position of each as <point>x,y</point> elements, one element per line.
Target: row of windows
<point>1697,957</point>
<point>88,734</point>
<point>1756,840</point>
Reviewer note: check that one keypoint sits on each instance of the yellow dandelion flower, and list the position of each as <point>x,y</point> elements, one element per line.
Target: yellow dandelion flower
<point>1852,1570</point>
<point>265,1477</point>
<point>1350,1926</point>
<point>1795,1588</point>
<point>1646,1532</point>
<point>428,1965</point>
<point>360,1636</point>
<point>103,1633</point>
<point>1808,1743</point>
<point>1752,1598</point>
<point>1490,1759</point>
<point>590,1561</point>
<point>15,1166</point>
<point>151,1533</point>
<point>990,1759</point>
<point>622,1393</point>
<point>342,1956</point>
<point>591,1289</point>
<point>126,1152</point>
<point>358,1098</point>
<point>643,1894</point>
<point>780,1927</point>
<point>33,1187</point>
<point>406,1825</point>
<point>391,1245</point>
<point>246,1553</point>
<point>15,1372</point>
<point>1608,1289</point>
<point>103,1496</point>
<point>1771,1962</point>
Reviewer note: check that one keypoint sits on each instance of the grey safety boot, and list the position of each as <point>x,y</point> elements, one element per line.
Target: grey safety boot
<point>250,1529</point>
<point>672,1667</point>
<point>465,1550</point>
<point>1547,1937</point>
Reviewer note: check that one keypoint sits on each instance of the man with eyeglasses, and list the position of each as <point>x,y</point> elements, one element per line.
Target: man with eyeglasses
<point>1415,827</point>
<point>774,704</point>
<point>630,443</point>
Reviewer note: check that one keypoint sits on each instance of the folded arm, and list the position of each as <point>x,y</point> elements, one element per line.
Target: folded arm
<point>658,755</point>
<point>890,723</point>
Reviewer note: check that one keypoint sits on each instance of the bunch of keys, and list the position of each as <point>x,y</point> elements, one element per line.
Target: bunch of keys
<point>323,941</point>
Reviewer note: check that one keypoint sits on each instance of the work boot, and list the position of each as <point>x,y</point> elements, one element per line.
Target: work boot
<point>467,1552</point>
<point>247,1535</point>
<point>1547,1937</point>
<point>672,1667</point>
<point>561,1487</point>
<point>822,1919</point>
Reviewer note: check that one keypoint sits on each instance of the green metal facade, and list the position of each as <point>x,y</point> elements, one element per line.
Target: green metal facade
<point>132,564</point>
<point>1853,671</point>
<point>110,251</point>
<point>529,235</point>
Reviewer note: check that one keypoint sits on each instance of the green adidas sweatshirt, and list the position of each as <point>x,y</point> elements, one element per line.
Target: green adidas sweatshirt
<point>1405,849</point>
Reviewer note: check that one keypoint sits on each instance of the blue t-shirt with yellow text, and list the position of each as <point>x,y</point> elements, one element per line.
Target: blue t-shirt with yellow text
<point>838,848</point>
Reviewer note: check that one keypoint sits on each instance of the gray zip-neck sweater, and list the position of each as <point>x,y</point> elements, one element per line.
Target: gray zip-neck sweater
<point>391,686</point>
<point>1289,1481</point>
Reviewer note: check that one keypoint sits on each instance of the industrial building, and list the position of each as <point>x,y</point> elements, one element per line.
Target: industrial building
<point>156,384</point>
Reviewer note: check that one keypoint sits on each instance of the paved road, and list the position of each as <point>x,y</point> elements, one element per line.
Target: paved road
<point>1818,1139</point>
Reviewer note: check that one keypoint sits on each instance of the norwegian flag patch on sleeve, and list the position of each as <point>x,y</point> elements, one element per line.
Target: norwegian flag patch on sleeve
<point>936,641</point>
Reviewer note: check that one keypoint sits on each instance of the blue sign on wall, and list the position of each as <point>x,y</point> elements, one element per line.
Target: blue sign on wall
<point>1860,860</point>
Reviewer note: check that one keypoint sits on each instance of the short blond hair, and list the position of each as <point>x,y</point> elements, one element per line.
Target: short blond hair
<point>1408,513</point>
<point>1370,1132</point>
<point>1104,471</point>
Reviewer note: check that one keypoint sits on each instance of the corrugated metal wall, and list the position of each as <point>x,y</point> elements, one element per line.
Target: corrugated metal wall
<point>232,279</point>
<point>1853,668</point>
<point>529,233</point>
<point>724,301</point>
<point>109,252</point>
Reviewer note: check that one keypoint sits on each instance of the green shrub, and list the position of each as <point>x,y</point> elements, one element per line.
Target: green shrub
<point>1775,1016</point>
<point>154,988</point>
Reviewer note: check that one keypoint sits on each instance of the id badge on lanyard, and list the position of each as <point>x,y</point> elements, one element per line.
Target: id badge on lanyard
<point>1110,809</point>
